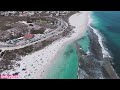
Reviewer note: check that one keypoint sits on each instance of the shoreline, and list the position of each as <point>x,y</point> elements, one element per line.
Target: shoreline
<point>67,43</point>
<point>107,57</point>
<point>35,68</point>
<point>100,39</point>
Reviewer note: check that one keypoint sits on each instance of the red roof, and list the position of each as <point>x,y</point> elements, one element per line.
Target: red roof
<point>28,36</point>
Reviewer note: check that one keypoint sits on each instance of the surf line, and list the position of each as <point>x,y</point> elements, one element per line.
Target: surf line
<point>100,39</point>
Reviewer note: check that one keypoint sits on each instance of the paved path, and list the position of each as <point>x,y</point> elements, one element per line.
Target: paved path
<point>62,26</point>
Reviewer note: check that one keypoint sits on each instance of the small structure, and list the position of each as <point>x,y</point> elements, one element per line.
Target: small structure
<point>28,36</point>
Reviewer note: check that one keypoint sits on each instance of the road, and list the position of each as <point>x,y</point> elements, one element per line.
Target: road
<point>62,25</point>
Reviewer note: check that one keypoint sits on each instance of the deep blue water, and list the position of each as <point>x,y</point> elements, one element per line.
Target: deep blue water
<point>108,23</point>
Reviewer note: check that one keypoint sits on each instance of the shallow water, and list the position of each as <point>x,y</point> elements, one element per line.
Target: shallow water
<point>84,42</point>
<point>108,23</point>
<point>66,64</point>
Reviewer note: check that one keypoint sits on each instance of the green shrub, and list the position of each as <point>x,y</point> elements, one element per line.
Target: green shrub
<point>40,31</point>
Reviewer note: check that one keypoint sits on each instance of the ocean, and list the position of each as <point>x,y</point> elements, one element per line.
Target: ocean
<point>66,64</point>
<point>108,24</point>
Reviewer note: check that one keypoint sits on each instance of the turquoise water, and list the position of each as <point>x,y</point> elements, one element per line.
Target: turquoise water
<point>66,64</point>
<point>84,42</point>
<point>108,23</point>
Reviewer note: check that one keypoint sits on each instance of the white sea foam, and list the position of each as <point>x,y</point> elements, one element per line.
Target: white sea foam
<point>100,38</point>
<point>82,74</point>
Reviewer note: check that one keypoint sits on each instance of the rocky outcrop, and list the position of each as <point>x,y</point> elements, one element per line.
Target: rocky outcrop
<point>93,65</point>
<point>95,47</point>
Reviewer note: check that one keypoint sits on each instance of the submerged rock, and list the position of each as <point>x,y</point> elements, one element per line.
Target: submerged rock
<point>93,65</point>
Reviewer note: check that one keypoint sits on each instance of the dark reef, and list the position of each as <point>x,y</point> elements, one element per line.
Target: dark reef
<point>93,65</point>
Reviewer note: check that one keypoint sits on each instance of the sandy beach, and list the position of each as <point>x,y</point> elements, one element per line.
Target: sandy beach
<point>35,65</point>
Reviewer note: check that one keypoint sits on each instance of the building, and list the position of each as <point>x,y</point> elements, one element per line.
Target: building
<point>28,36</point>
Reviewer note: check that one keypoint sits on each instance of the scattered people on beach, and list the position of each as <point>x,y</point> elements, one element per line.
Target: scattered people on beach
<point>36,64</point>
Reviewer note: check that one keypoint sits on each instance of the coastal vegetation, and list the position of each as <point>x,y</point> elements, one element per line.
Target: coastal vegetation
<point>40,31</point>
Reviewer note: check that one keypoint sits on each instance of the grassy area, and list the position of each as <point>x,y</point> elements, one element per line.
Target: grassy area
<point>2,28</point>
<point>38,19</point>
<point>40,31</point>
<point>42,21</point>
<point>45,43</point>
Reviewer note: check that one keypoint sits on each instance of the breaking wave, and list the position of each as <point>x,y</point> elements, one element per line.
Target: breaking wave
<point>100,38</point>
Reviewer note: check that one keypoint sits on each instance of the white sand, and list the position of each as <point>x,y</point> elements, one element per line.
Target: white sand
<point>37,63</point>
